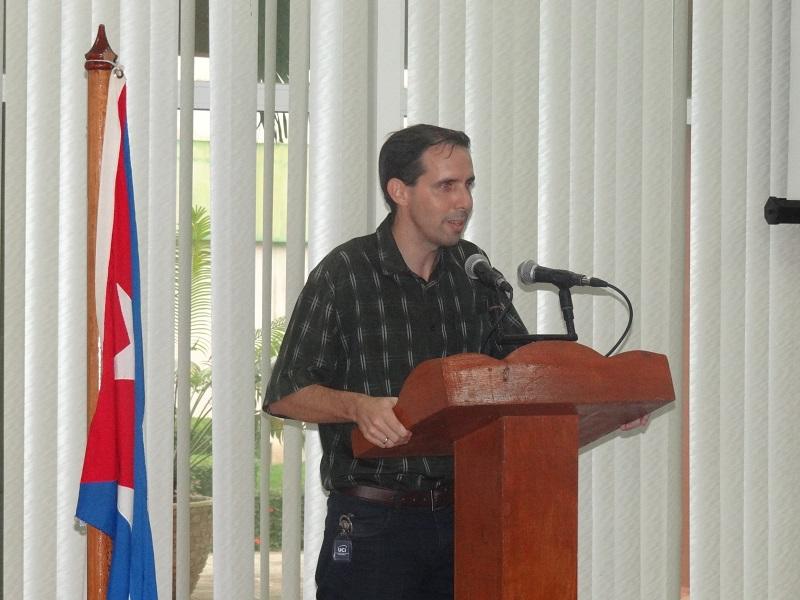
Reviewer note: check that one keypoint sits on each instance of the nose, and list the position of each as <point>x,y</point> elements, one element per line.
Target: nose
<point>463,198</point>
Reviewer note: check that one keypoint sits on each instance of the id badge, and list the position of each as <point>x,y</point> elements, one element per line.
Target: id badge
<point>342,544</point>
<point>342,549</point>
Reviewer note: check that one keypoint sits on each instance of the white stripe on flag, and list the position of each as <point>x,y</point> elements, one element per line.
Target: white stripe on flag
<point>105,209</point>
<point>125,502</point>
<point>125,360</point>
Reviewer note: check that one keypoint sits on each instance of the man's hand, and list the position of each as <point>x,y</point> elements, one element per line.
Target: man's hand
<point>636,423</point>
<point>377,422</point>
<point>374,415</point>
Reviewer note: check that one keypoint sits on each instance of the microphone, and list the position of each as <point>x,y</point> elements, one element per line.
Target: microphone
<point>478,267</point>
<point>530,272</point>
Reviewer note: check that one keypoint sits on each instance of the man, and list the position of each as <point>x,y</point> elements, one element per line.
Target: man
<point>371,311</point>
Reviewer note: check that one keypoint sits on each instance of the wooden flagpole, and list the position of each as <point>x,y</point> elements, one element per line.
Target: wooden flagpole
<point>98,64</point>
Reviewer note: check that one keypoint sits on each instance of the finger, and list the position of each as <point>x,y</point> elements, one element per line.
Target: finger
<point>396,431</point>
<point>385,428</point>
<point>390,439</point>
<point>394,428</point>
<point>635,424</point>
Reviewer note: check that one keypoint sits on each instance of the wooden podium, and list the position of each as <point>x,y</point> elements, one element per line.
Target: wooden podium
<point>515,427</point>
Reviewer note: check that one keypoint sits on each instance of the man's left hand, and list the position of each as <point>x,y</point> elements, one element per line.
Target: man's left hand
<point>641,422</point>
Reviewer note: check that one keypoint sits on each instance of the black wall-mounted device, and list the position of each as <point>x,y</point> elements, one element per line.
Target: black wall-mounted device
<point>781,210</point>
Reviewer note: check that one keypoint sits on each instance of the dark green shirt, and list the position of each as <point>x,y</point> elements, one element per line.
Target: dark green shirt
<point>362,322</point>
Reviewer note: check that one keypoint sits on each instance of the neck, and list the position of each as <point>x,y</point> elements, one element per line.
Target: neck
<point>419,256</point>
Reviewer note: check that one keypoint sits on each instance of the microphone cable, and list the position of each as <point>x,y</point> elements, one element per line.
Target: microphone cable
<point>630,319</point>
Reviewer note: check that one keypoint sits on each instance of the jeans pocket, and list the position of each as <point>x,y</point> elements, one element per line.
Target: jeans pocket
<point>366,519</point>
<point>368,526</point>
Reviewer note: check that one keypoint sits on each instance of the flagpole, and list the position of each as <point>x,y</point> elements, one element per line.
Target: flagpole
<point>98,64</point>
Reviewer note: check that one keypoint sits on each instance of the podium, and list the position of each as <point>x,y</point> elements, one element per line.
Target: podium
<point>515,427</point>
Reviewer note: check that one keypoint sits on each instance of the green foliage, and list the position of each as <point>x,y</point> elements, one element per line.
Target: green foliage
<point>275,512</point>
<point>201,475</point>
<point>275,507</point>
<point>201,279</point>
<point>200,383</point>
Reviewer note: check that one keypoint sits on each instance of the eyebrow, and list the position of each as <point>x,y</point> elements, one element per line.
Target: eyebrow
<point>455,180</point>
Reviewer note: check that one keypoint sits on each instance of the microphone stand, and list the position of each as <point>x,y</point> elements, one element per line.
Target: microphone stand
<point>565,299</point>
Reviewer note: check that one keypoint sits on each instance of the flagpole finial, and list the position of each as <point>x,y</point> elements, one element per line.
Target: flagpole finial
<point>101,57</point>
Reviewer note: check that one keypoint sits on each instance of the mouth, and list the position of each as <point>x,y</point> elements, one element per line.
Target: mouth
<point>457,222</point>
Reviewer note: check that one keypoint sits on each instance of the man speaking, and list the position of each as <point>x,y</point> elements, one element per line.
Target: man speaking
<point>371,311</point>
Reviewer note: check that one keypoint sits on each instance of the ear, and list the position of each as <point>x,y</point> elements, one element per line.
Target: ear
<point>398,191</point>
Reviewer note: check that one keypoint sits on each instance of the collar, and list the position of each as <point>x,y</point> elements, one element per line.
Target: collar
<point>389,256</point>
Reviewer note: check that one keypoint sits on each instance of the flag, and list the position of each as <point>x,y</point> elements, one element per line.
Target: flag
<point>113,489</point>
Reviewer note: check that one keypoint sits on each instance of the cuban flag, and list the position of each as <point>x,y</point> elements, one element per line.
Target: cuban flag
<point>113,491</point>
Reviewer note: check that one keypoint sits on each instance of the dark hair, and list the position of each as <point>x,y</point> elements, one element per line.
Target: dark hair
<point>401,154</point>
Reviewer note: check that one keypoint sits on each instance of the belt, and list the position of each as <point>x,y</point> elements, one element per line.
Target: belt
<point>430,499</point>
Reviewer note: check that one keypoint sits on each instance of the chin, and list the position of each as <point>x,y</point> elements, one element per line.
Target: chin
<point>450,242</point>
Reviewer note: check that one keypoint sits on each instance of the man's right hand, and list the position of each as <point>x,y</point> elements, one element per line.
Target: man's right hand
<point>374,415</point>
<point>377,422</point>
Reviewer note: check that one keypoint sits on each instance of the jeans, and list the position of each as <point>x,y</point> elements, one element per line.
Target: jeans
<point>397,553</point>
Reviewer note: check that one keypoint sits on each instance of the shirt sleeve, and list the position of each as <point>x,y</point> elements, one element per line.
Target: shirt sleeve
<point>311,346</point>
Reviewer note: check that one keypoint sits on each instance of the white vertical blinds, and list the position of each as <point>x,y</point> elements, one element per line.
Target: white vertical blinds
<point>423,63</point>
<point>744,415</point>
<point>232,43</point>
<point>524,138</point>
<point>663,224</point>
<point>389,96</point>
<point>554,155</point>
<point>596,475</point>
<point>267,204</point>
<point>71,376</point>
<point>299,60</point>
<point>452,21</point>
<point>41,310</point>
<point>576,111</point>
<point>784,330</point>
<point>14,208</point>
<point>160,195</point>
<point>180,587</point>
<point>755,478</point>
<point>478,62</point>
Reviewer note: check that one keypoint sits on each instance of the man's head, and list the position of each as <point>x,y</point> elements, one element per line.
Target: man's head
<point>401,154</point>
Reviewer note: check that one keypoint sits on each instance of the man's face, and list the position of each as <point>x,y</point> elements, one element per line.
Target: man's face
<point>439,204</point>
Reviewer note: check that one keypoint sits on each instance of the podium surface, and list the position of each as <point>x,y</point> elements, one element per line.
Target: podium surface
<point>515,427</point>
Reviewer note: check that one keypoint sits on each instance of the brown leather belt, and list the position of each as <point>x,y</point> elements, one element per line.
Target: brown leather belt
<point>430,499</point>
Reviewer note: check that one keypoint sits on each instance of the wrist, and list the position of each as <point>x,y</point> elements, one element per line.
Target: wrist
<point>352,404</point>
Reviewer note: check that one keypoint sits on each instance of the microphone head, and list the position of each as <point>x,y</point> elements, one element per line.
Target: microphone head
<point>526,272</point>
<point>473,261</point>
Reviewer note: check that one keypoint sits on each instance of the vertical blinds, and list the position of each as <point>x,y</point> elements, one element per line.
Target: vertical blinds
<point>232,43</point>
<point>576,111</point>
<point>743,407</point>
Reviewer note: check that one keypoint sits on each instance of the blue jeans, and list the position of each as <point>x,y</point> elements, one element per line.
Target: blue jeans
<point>397,553</point>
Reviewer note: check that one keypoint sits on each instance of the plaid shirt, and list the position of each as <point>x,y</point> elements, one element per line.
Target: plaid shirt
<point>362,323</point>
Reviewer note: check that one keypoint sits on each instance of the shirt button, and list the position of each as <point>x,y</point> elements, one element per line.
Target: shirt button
<point>433,326</point>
